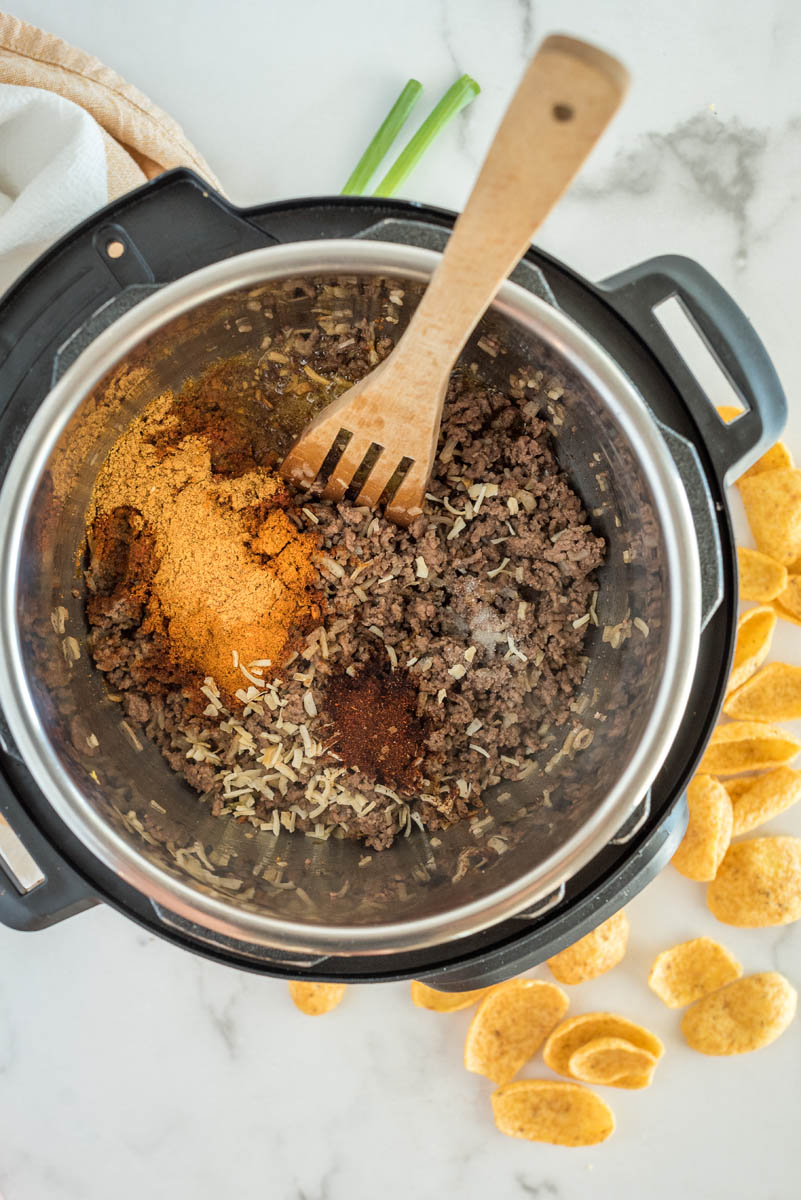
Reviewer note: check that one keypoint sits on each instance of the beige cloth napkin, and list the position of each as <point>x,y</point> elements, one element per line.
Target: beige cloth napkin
<point>73,136</point>
<point>140,139</point>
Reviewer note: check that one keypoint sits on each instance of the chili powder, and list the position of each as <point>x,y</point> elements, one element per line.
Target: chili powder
<point>377,726</point>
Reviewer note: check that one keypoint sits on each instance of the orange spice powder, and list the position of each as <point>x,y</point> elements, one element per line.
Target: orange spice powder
<point>234,584</point>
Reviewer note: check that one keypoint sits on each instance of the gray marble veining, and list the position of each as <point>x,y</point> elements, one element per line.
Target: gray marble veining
<point>718,159</point>
<point>129,1068</point>
<point>540,1191</point>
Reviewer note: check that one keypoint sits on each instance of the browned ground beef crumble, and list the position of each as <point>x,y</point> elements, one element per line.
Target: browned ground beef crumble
<point>479,611</point>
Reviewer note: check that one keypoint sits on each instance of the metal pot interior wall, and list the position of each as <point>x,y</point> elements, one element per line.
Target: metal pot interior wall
<point>300,879</point>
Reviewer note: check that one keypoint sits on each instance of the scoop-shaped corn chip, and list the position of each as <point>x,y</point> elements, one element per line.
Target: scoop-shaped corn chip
<point>314,999</point>
<point>778,458</point>
<point>761,577</point>
<point>427,997</point>
<point>686,972</point>
<point>785,613</point>
<point>727,412</point>
<point>575,1032</point>
<point>593,954</point>
<point>708,832</point>
<point>754,635</point>
<point>744,1015</point>
<point>773,694</point>
<point>772,502</point>
<point>747,746</point>
<point>736,787</point>
<point>763,797</point>
<point>613,1062</point>
<point>758,883</point>
<point>790,597</point>
<point>509,1026</point>
<point>546,1110</point>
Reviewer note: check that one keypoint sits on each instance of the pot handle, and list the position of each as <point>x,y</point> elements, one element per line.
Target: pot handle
<point>730,338</point>
<point>174,224</point>
<point>37,888</point>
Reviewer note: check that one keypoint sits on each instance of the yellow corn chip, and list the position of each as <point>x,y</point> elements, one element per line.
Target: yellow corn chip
<point>773,694</point>
<point>691,970</point>
<point>314,999</point>
<point>772,502</point>
<point>790,596</point>
<point>736,787</point>
<point>744,1015</point>
<point>708,832</point>
<point>761,577</point>
<point>613,1062</point>
<point>785,613</point>
<point>747,746</point>
<point>778,458</point>
<point>758,883</point>
<point>763,797</point>
<point>575,1032</point>
<point>594,954</point>
<point>545,1110</point>
<point>727,412</point>
<point>510,1024</point>
<point>754,635</point>
<point>428,997</point>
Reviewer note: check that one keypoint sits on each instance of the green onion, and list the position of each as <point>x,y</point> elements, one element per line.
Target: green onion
<point>454,100</point>
<point>370,161</point>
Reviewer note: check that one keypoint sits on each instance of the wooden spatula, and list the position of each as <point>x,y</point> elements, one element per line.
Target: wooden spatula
<point>566,99</point>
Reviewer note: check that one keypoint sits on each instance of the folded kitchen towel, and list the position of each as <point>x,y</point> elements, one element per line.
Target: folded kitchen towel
<point>73,135</point>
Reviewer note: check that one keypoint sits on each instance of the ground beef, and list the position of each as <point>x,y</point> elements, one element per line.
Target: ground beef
<point>123,568</point>
<point>474,618</point>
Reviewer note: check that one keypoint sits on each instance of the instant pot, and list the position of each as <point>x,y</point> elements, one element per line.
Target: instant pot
<point>171,278</point>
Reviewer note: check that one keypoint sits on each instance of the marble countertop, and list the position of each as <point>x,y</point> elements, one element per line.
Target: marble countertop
<point>129,1068</point>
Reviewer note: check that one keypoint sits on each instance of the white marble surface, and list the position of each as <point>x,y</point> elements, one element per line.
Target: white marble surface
<point>130,1069</point>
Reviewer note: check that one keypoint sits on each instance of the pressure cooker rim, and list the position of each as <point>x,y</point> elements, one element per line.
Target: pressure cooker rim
<point>683,573</point>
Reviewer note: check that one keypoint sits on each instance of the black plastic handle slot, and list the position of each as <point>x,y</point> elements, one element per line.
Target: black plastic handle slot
<point>731,339</point>
<point>34,902</point>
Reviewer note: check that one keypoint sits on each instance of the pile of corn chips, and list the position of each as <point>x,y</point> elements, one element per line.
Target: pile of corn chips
<point>514,1020</point>
<point>744,780</point>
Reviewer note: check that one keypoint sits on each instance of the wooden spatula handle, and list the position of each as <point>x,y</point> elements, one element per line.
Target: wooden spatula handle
<point>566,99</point>
<point>564,102</point>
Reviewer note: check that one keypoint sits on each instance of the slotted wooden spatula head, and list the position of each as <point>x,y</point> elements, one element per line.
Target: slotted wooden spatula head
<point>392,409</point>
<point>567,97</point>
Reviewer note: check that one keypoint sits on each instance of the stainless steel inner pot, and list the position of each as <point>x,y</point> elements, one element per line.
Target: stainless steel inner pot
<point>289,891</point>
